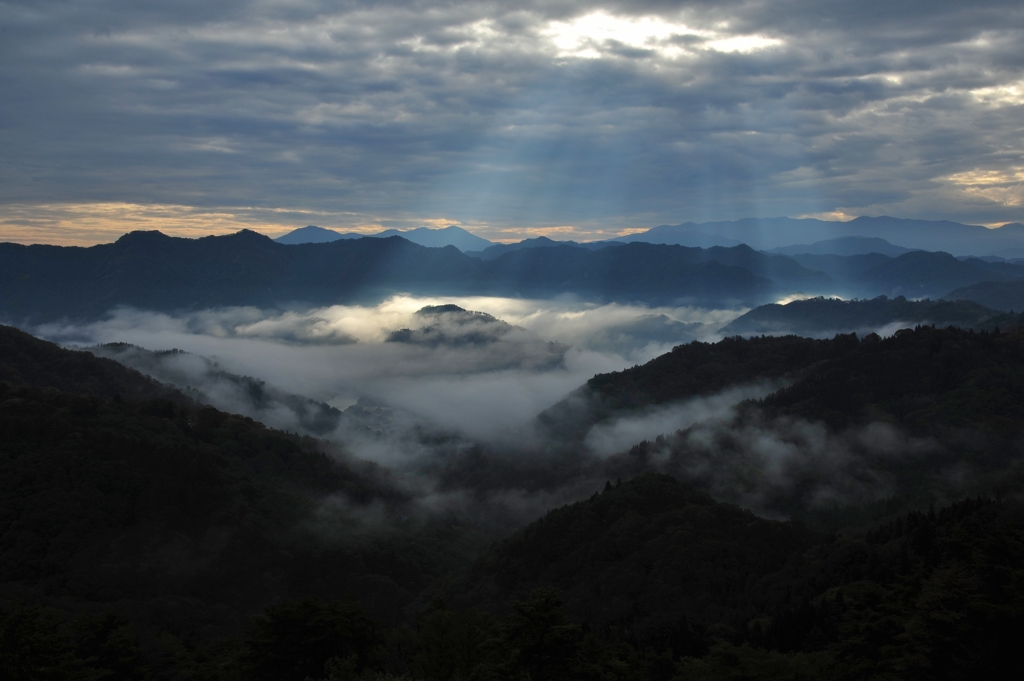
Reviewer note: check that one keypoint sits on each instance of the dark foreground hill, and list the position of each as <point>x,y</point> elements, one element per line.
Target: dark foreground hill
<point>929,415</point>
<point>828,316</point>
<point>708,591</point>
<point>654,557</point>
<point>697,369</point>
<point>921,377</point>
<point>199,378</point>
<point>120,495</point>
<point>151,538</point>
<point>26,360</point>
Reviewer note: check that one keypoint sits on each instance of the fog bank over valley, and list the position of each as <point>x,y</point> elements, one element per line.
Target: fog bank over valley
<point>446,393</point>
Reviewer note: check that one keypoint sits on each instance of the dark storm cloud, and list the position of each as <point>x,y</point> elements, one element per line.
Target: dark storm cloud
<point>531,115</point>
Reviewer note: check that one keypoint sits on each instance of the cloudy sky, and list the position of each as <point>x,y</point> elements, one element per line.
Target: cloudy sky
<point>570,119</point>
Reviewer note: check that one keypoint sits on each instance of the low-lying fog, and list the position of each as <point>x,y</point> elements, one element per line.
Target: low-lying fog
<point>447,399</point>
<point>478,377</point>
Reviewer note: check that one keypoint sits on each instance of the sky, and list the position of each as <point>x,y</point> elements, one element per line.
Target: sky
<point>570,119</point>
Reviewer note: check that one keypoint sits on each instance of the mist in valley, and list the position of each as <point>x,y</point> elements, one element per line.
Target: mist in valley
<point>446,398</point>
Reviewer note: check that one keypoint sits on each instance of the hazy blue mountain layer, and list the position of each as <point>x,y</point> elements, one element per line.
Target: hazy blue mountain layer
<point>492,252</point>
<point>311,234</point>
<point>845,245</point>
<point>153,271</point>
<point>768,233</point>
<point>999,295</point>
<point>437,238</point>
<point>916,274</point>
<point>424,236</point>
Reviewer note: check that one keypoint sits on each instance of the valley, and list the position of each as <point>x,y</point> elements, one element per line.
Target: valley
<point>444,494</point>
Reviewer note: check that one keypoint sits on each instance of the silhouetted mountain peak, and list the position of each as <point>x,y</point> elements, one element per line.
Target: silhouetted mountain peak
<point>143,236</point>
<point>244,235</point>
<point>311,234</point>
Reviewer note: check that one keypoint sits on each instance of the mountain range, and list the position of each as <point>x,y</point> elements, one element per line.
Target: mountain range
<point>788,236</point>
<point>773,233</point>
<point>149,270</point>
<point>451,235</point>
<point>152,271</point>
<point>845,245</point>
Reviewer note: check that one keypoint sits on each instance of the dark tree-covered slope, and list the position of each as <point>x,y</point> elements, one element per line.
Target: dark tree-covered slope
<point>186,521</point>
<point>652,555</point>
<point>918,377</point>
<point>817,316</point>
<point>693,370</point>
<point>148,502</point>
<point>184,518</point>
<point>27,360</point>
<point>719,593</point>
<point>924,378</point>
<point>247,395</point>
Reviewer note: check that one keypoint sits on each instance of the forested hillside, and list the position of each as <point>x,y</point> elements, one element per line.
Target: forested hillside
<point>693,370</point>
<point>26,360</point>
<point>828,316</point>
<point>182,520</point>
<point>917,377</point>
<point>926,379</point>
<point>144,536</point>
<point>705,590</point>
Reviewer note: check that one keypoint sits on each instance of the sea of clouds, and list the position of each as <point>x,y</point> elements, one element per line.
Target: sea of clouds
<point>448,402</point>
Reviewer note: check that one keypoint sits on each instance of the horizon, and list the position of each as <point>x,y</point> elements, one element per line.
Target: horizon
<point>373,231</point>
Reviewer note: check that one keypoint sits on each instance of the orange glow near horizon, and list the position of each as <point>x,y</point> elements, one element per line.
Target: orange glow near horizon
<point>88,224</point>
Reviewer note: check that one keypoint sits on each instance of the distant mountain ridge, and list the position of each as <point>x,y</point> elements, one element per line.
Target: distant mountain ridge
<point>999,295</point>
<point>492,252</point>
<point>786,236</point>
<point>772,233</point>
<point>150,270</point>
<point>451,235</point>
<point>845,245</point>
